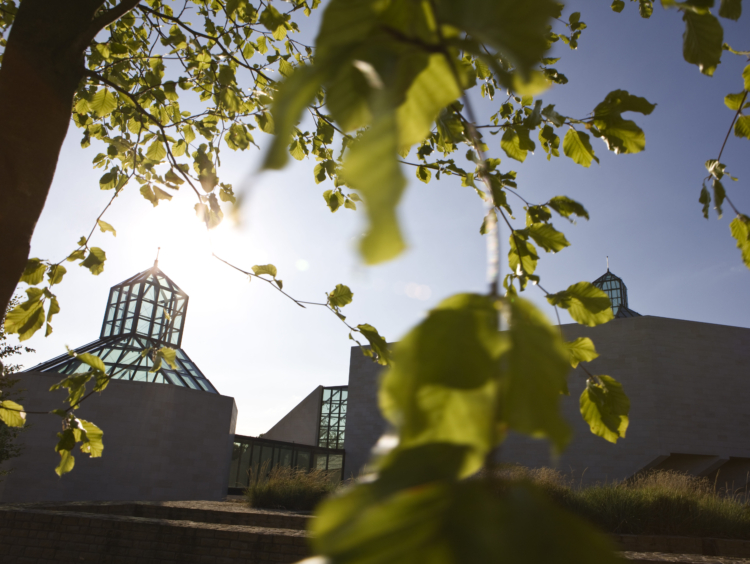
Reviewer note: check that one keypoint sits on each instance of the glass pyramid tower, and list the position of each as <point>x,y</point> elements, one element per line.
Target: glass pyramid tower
<point>615,288</point>
<point>146,311</point>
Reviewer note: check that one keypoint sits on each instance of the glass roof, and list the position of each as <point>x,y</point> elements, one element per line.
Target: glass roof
<point>617,292</point>
<point>146,311</point>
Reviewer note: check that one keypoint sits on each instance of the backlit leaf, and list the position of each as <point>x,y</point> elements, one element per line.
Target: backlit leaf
<point>581,350</point>
<point>95,260</point>
<point>586,304</point>
<point>33,272</point>
<point>103,102</point>
<point>372,169</point>
<point>605,407</point>
<point>547,237</point>
<point>740,228</point>
<point>28,317</point>
<point>12,414</point>
<point>340,296</point>
<point>104,226</point>
<point>742,127</point>
<point>265,269</point>
<point>522,256</point>
<point>577,146</point>
<point>379,347</point>
<point>537,365</point>
<point>567,207</point>
<point>93,445</point>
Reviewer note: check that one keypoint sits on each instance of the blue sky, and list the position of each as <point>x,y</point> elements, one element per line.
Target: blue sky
<point>267,353</point>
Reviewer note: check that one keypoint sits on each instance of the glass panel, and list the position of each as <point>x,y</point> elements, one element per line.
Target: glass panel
<point>335,461</point>
<point>256,461</point>
<point>285,457</point>
<point>319,461</point>
<point>266,456</point>
<point>236,450</point>
<point>243,475</point>
<point>303,459</point>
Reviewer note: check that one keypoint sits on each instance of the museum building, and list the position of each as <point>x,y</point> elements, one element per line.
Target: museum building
<point>688,382</point>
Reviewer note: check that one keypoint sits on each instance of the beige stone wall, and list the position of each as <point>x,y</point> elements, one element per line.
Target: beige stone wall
<point>161,442</point>
<point>688,382</point>
<point>301,424</point>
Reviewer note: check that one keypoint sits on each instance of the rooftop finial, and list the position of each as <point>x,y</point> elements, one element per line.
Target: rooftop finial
<point>607,263</point>
<point>156,262</point>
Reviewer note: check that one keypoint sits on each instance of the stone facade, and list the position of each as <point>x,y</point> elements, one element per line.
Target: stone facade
<point>688,383</point>
<point>161,442</point>
<point>301,424</point>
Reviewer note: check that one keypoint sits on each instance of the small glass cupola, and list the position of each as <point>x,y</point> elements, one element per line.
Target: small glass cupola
<point>617,292</point>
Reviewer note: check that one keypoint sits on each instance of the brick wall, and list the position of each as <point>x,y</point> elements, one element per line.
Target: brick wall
<point>38,536</point>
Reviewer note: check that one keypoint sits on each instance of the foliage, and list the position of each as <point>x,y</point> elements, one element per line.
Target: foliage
<point>655,503</point>
<point>290,489</point>
<point>9,446</point>
<point>390,83</point>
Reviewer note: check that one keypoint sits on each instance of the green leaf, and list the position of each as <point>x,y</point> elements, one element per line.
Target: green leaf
<point>424,174</point>
<point>210,215</point>
<point>731,9</point>
<point>522,256</point>
<point>577,146</point>
<point>33,272</point>
<point>433,519</point>
<point>441,386</point>
<point>518,30</point>
<point>586,304</point>
<point>740,228</point>
<point>646,8</point>
<point>156,151</point>
<point>734,101</point>
<point>617,6</point>
<point>93,445</point>
<point>621,135</point>
<point>95,260</point>
<point>516,143</point>
<point>56,273</point>
<point>265,269</point>
<point>547,237</point>
<point>372,169</point>
<point>742,127</point>
<point>489,220</point>
<point>702,41</point>
<point>272,19</point>
<point>297,149</point>
<point>67,461</point>
<point>165,354</point>
<point>28,317</point>
<point>12,414</point>
<point>719,195</point>
<point>581,350</point>
<point>537,366</point>
<point>379,347</point>
<point>293,96</point>
<point>102,103</point>
<point>605,407</point>
<point>746,77</point>
<point>148,193</point>
<point>334,199</point>
<point>340,296</point>
<point>104,226</point>
<point>705,199</point>
<point>567,207</point>
<point>432,89</point>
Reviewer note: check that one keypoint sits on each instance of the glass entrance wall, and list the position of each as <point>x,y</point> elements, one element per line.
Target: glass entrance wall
<point>333,417</point>
<point>251,454</point>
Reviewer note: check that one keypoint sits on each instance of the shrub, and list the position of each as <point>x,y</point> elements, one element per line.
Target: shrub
<point>655,503</point>
<point>290,489</point>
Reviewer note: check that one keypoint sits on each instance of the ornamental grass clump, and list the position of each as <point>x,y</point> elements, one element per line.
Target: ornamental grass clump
<point>290,489</point>
<point>654,503</point>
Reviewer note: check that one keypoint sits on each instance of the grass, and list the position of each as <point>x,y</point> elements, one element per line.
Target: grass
<point>290,489</point>
<point>658,503</point>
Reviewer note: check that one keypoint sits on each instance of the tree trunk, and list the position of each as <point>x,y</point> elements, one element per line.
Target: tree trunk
<point>41,69</point>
